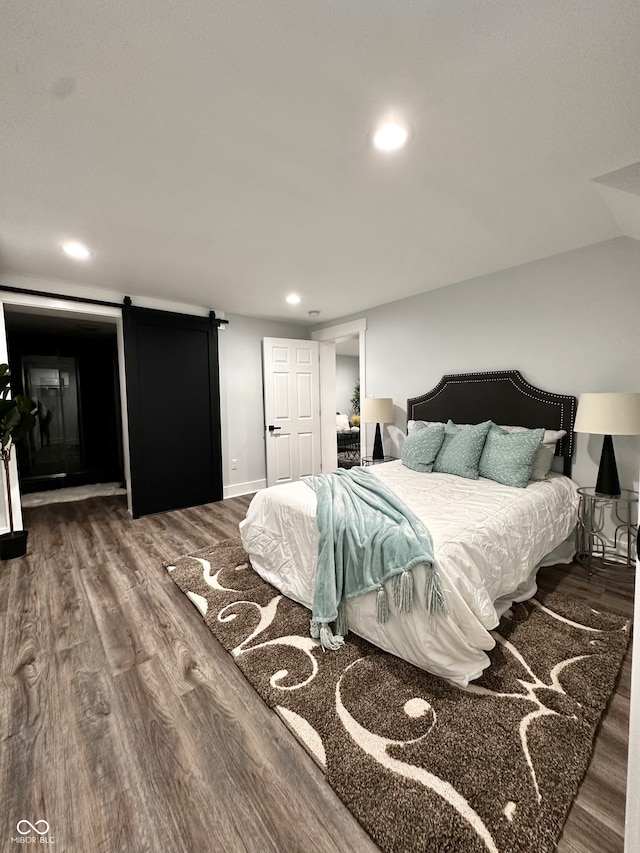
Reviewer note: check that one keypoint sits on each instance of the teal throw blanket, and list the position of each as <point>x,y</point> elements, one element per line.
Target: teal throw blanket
<point>367,536</point>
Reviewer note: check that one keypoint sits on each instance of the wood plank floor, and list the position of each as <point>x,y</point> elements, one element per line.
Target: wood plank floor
<point>127,727</point>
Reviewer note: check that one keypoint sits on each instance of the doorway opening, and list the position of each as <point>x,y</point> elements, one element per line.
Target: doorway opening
<point>346,340</point>
<point>53,447</point>
<point>68,366</point>
<point>348,401</point>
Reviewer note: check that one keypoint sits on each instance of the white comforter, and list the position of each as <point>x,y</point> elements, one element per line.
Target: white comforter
<point>489,541</point>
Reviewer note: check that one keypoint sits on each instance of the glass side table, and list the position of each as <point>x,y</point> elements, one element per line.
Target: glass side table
<point>369,460</point>
<point>596,550</point>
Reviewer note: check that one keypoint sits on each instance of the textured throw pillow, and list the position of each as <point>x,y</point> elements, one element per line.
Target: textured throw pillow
<point>461,450</point>
<point>507,457</point>
<point>421,446</point>
<point>546,451</point>
<point>342,423</point>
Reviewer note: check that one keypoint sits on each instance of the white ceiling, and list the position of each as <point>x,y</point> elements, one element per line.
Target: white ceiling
<point>217,153</point>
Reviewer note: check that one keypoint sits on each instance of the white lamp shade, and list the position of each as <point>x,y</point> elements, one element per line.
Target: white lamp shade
<point>608,414</point>
<point>377,410</point>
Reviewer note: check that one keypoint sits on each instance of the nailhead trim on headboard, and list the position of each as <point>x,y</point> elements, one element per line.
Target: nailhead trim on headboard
<point>564,405</point>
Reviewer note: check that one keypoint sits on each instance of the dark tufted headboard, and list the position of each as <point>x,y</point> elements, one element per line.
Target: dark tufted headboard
<point>501,396</point>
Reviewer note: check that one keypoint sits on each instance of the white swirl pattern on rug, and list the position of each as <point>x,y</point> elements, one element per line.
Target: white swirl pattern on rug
<point>376,746</point>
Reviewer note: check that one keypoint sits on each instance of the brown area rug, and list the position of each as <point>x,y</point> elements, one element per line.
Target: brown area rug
<point>424,765</point>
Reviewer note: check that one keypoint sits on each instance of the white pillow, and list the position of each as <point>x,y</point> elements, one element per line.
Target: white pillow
<point>411,424</point>
<point>342,423</point>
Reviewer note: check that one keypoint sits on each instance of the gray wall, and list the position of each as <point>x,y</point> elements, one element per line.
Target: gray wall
<point>569,323</point>
<point>240,353</point>
<point>347,375</point>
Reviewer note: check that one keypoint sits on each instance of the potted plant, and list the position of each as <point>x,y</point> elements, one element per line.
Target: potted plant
<point>17,417</point>
<point>355,404</point>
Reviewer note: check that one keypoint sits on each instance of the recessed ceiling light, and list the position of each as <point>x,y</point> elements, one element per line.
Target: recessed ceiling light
<point>294,299</point>
<point>76,250</point>
<point>390,136</point>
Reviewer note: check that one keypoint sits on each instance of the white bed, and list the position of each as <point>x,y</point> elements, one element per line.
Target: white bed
<point>489,539</point>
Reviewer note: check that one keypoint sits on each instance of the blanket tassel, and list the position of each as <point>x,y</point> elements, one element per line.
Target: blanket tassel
<point>382,606</point>
<point>328,641</point>
<point>395,584</point>
<point>321,631</point>
<point>402,586</point>
<point>434,594</point>
<point>406,592</point>
<point>341,626</point>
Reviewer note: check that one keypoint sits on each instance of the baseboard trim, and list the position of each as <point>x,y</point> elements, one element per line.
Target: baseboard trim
<point>238,489</point>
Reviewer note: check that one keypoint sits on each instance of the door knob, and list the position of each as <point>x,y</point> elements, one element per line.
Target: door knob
<point>272,427</point>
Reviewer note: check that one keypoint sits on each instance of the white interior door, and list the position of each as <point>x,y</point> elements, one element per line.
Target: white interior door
<point>291,409</point>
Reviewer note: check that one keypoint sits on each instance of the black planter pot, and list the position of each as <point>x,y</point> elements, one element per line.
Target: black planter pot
<point>13,544</point>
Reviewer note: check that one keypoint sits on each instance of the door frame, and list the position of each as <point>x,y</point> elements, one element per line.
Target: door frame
<point>632,818</point>
<point>45,305</point>
<point>328,338</point>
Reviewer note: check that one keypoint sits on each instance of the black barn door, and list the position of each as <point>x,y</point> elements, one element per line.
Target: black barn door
<point>173,402</point>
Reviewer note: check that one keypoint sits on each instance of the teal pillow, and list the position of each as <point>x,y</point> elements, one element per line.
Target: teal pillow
<point>508,457</point>
<point>421,447</point>
<point>461,450</point>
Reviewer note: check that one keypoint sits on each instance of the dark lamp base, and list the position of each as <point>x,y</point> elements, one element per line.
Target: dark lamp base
<point>378,451</point>
<point>608,484</point>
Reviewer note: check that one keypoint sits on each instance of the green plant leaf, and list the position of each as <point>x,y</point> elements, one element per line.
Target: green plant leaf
<point>5,407</point>
<point>5,380</point>
<point>17,415</point>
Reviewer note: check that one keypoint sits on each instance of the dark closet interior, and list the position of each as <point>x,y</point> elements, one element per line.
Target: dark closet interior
<point>69,368</point>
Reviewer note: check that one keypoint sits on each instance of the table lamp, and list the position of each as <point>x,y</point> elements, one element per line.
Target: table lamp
<point>377,410</point>
<point>608,414</point>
